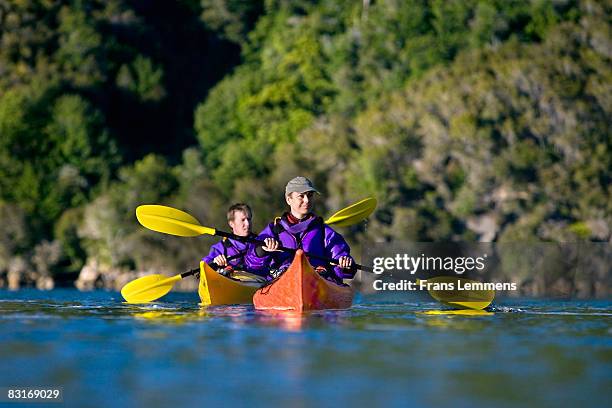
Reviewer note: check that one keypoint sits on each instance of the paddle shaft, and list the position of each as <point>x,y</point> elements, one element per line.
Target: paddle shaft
<point>190,273</point>
<point>290,250</point>
<point>196,270</point>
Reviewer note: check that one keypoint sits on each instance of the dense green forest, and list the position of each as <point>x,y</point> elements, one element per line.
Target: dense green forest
<point>469,120</point>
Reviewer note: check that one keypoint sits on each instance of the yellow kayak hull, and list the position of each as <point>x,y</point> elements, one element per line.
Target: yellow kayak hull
<point>215,289</point>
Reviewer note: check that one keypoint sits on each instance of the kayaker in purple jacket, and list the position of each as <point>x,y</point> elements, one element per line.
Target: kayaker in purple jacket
<point>300,228</point>
<point>239,219</point>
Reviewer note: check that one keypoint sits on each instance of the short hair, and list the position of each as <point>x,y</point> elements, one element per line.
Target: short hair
<point>239,207</point>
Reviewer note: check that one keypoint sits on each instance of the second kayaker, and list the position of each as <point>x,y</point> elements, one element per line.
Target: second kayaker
<point>229,254</point>
<point>300,228</point>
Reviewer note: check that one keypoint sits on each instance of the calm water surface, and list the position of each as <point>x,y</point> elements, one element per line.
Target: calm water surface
<point>382,351</point>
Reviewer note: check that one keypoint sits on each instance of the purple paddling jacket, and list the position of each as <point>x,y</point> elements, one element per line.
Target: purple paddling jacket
<point>230,247</point>
<point>311,235</point>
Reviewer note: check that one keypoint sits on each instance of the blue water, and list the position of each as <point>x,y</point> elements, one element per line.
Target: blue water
<point>173,353</point>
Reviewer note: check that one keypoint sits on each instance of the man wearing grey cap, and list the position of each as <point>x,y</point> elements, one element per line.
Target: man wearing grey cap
<point>299,228</point>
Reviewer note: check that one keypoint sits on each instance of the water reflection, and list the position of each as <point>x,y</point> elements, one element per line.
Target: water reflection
<point>297,321</point>
<point>171,317</point>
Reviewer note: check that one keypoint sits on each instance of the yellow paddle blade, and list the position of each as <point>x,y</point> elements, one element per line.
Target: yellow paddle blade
<point>460,312</point>
<point>148,288</point>
<point>243,276</point>
<point>439,289</point>
<point>171,221</point>
<point>353,214</point>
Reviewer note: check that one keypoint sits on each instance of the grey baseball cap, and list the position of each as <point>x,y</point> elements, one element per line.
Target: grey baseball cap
<point>300,185</point>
